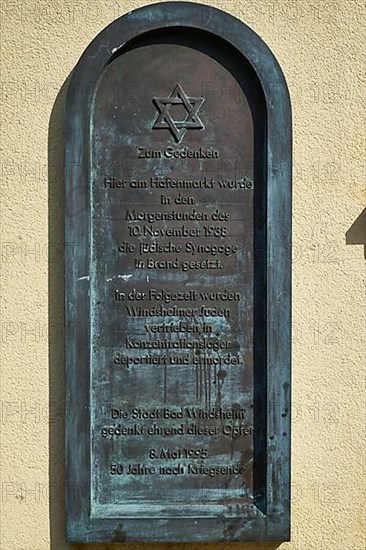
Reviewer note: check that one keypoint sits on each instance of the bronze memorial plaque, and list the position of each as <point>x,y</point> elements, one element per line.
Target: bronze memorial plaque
<point>178,155</point>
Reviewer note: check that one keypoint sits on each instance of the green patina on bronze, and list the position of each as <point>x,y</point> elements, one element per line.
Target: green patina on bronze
<point>178,201</point>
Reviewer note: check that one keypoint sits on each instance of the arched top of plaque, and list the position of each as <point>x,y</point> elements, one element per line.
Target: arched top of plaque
<point>188,44</point>
<point>187,16</point>
<point>202,20</point>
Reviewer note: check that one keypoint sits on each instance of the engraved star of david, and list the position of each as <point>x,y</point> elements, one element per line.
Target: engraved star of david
<point>165,106</point>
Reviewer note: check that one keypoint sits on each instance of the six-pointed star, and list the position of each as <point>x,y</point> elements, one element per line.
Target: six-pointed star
<point>165,119</point>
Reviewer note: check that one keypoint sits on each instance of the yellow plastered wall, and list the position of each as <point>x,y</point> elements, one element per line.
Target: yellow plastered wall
<point>320,46</point>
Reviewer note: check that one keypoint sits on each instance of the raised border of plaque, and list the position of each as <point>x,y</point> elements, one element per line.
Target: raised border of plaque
<point>272,519</point>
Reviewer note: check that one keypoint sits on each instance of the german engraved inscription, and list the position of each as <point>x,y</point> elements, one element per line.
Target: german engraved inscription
<point>172,353</point>
<point>178,296</point>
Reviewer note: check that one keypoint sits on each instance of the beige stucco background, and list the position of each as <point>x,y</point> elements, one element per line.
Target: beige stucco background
<point>320,46</point>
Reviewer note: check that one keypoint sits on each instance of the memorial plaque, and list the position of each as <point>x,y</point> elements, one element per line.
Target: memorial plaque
<point>178,170</point>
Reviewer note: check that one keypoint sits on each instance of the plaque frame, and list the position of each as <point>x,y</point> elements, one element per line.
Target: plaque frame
<point>273,522</point>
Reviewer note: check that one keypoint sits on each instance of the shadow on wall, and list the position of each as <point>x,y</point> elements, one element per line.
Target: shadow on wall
<point>356,234</point>
<point>57,249</point>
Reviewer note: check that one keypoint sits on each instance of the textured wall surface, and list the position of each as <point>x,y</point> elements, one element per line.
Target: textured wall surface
<point>320,46</point>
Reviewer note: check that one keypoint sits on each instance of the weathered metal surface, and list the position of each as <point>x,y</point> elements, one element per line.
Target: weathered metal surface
<point>178,169</point>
